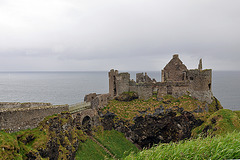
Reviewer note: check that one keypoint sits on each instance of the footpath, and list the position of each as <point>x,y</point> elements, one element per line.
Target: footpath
<point>104,148</point>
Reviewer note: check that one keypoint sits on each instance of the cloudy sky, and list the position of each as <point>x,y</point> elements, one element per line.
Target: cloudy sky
<point>131,35</point>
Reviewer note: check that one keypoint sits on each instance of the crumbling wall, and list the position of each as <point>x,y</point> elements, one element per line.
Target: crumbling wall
<point>89,97</point>
<point>123,80</point>
<point>201,84</point>
<point>144,90</point>
<point>141,78</point>
<point>200,80</point>
<point>113,82</point>
<point>175,70</point>
<point>100,101</point>
<point>16,119</point>
<point>176,89</point>
<point>118,82</point>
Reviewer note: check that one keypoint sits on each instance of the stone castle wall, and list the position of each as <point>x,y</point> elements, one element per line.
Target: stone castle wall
<point>144,90</point>
<point>97,100</point>
<point>15,119</point>
<point>123,80</point>
<point>200,80</point>
<point>177,89</point>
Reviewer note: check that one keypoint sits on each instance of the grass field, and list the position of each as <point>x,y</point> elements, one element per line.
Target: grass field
<point>116,143</point>
<point>220,122</point>
<point>89,150</point>
<point>129,110</point>
<point>113,140</point>
<point>220,147</point>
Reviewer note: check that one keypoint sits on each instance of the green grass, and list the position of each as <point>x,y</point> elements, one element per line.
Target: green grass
<point>116,143</point>
<point>9,148</point>
<point>89,150</point>
<point>238,113</point>
<point>20,144</point>
<point>220,122</point>
<point>129,110</point>
<point>113,140</point>
<point>219,147</point>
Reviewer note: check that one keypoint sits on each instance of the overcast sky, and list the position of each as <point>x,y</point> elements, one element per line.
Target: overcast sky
<point>129,35</point>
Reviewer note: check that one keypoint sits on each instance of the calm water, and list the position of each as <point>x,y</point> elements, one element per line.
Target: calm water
<point>70,87</point>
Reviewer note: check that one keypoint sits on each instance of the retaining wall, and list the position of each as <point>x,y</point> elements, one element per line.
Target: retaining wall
<point>15,119</point>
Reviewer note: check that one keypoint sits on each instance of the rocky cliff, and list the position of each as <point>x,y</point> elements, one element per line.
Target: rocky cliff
<point>152,129</point>
<point>54,138</point>
<point>149,122</point>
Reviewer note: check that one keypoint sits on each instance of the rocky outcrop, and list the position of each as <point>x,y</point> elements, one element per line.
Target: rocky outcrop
<point>162,126</point>
<point>55,138</point>
<point>127,96</point>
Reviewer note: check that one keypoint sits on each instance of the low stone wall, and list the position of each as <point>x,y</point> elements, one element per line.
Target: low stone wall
<point>9,105</point>
<point>15,119</point>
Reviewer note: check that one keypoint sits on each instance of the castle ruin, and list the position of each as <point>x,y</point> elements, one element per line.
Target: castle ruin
<point>176,80</point>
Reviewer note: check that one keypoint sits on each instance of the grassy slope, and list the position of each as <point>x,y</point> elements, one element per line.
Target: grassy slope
<point>238,113</point>
<point>89,150</point>
<point>116,143</point>
<point>219,147</point>
<point>220,122</point>
<point>17,145</point>
<point>113,140</point>
<point>9,148</point>
<point>128,110</point>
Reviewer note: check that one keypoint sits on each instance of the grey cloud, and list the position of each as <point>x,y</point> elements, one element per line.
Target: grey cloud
<point>99,35</point>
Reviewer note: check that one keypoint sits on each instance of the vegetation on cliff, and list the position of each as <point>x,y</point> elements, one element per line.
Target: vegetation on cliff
<point>220,122</point>
<point>218,147</point>
<point>145,123</point>
<point>54,138</point>
<point>127,110</point>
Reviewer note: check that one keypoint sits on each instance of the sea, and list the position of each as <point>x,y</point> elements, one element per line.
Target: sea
<point>71,87</point>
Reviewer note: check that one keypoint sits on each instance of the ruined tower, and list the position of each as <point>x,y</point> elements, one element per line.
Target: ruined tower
<point>118,82</point>
<point>112,82</point>
<point>200,65</point>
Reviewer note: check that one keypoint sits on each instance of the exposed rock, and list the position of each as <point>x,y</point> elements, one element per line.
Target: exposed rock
<point>152,129</point>
<point>55,138</point>
<point>108,121</point>
<point>127,96</point>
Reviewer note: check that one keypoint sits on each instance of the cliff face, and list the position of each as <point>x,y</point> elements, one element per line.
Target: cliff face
<point>157,120</point>
<point>172,125</point>
<point>54,138</point>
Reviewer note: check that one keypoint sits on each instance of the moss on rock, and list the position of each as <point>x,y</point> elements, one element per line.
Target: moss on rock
<point>54,138</point>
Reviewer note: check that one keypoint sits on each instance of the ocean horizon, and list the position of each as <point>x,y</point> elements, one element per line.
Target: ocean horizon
<point>70,87</point>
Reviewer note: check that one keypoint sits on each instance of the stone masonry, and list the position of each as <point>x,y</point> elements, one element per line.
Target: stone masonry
<point>176,80</point>
<point>26,115</point>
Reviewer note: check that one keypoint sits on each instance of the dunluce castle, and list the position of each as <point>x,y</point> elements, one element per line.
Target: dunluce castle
<point>177,80</point>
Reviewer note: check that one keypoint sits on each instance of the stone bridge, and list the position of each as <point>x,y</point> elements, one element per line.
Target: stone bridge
<point>15,116</point>
<point>84,115</point>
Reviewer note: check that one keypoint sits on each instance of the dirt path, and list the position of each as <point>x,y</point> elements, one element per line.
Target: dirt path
<point>98,143</point>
